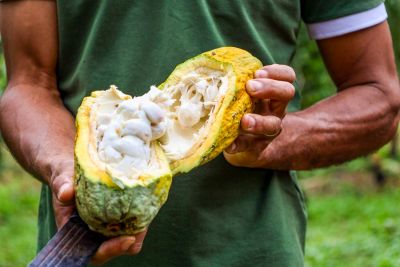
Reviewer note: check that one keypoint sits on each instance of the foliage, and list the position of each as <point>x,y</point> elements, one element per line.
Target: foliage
<point>353,228</point>
<point>18,213</point>
<point>393,8</point>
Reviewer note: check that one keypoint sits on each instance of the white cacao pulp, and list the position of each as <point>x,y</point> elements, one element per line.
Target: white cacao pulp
<point>177,116</point>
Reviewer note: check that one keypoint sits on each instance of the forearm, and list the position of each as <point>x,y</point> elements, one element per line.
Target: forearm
<point>33,120</point>
<point>352,123</point>
<point>36,126</point>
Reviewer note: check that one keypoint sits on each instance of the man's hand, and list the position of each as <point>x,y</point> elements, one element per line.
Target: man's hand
<point>35,124</point>
<point>272,89</point>
<point>118,246</point>
<point>359,119</point>
<point>63,203</point>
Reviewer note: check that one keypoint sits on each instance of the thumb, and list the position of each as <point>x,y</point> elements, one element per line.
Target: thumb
<point>63,188</point>
<point>63,198</point>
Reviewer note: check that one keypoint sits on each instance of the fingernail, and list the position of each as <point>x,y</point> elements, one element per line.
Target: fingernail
<point>61,191</point>
<point>128,243</point>
<point>261,74</point>
<point>251,122</point>
<point>254,85</point>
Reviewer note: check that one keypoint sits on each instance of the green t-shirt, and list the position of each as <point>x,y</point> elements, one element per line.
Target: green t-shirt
<point>217,215</point>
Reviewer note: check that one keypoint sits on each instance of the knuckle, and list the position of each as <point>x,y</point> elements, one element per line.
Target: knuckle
<point>261,73</point>
<point>277,123</point>
<point>284,72</point>
<point>60,164</point>
<point>58,180</point>
<point>266,67</point>
<point>271,68</point>
<point>272,124</point>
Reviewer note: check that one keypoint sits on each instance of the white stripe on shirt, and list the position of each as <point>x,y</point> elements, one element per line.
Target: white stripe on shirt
<point>347,24</point>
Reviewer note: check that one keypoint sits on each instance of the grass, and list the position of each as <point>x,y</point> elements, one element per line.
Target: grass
<point>352,225</point>
<point>359,230</point>
<point>18,213</point>
<point>351,221</point>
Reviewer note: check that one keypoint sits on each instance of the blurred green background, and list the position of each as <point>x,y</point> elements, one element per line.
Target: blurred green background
<point>353,215</point>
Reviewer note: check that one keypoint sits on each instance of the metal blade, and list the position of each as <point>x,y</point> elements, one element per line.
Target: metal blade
<point>72,245</point>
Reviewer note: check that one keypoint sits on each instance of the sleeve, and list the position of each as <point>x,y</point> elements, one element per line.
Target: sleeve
<point>326,19</point>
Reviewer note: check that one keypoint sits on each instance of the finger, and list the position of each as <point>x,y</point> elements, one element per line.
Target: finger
<point>137,246</point>
<point>63,188</point>
<point>271,107</point>
<point>278,108</point>
<point>247,142</point>
<point>258,124</point>
<point>277,72</point>
<point>265,88</point>
<point>112,248</point>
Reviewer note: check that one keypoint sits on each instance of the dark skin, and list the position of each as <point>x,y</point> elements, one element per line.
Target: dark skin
<point>360,118</point>
<point>37,127</point>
